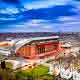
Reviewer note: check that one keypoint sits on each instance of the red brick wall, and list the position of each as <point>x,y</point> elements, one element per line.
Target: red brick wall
<point>31,50</point>
<point>24,51</point>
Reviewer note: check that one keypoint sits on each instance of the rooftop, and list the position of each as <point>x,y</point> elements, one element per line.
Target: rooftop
<point>24,41</point>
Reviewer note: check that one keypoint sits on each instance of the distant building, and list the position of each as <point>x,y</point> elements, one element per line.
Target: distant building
<point>38,47</point>
<point>4,48</point>
<point>5,52</point>
<point>67,48</point>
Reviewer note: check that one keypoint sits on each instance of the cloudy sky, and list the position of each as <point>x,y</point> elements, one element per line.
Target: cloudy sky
<point>39,15</point>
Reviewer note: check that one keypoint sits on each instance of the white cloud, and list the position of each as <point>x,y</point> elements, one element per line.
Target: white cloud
<point>9,10</point>
<point>69,19</point>
<point>63,24</point>
<point>69,24</point>
<point>45,4</point>
<point>31,26</point>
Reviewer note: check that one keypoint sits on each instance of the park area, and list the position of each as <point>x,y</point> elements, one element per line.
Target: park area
<point>39,72</point>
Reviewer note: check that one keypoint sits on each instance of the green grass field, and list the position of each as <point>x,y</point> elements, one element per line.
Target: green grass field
<point>35,73</point>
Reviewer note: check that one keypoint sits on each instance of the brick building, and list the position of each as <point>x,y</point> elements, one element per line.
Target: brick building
<point>38,47</point>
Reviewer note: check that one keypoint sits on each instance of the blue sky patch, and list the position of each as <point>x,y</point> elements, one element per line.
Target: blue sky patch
<point>39,15</point>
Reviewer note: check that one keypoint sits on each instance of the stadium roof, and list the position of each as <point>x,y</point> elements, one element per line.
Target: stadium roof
<point>22,42</point>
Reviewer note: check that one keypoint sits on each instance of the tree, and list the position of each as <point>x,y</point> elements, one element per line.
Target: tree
<point>7,74</point>
<point>3,65</point>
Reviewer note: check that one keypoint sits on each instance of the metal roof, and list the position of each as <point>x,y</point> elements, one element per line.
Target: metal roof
<point>22,42</point>
<point>66,45</point>
<point>4,52</point>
